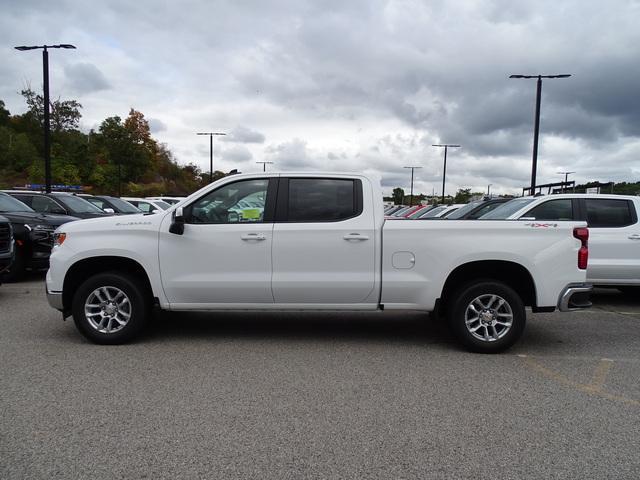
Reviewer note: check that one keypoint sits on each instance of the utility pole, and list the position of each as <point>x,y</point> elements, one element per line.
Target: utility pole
<point>211,135</point>
<point>489,189</point>
<point>264,165</point>
<point>47,120</point>
<point>536,128</point>
<point>411,195</point>
<point>566,176</point>
<point>444,169</point>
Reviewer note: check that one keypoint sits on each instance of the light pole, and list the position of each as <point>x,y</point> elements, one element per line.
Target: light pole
<point>489,189</point>
<point>536,128</point>
<point>566,176</point>
<point>411,195</point>
<point>47,124</point>
<point>264,165</point>
<point>211,135</point>
<point>444,170</point>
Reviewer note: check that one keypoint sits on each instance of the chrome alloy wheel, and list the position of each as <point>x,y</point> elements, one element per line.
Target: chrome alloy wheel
<point>107,309</point>
<point>488,317</point>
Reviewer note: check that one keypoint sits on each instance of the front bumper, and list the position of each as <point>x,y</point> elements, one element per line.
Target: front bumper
<point>575,296</point>
<point>55,300</point>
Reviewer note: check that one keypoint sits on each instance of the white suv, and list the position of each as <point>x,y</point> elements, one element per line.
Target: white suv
<point>614,232</point>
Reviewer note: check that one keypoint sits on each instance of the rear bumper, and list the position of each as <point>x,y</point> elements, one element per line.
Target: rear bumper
<point>575,296</point>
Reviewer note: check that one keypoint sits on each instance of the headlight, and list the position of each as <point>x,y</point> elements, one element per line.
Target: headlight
<point>39,228</point>
<point>59,238</point>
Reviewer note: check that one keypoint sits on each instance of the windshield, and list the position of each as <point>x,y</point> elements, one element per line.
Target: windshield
<point>462,211</point>
<point>505,210</point>
<point>161,204</point>
<point>77,204</point>
<point>122,206</point>
<point>10,204</point>
<point>433,212</point>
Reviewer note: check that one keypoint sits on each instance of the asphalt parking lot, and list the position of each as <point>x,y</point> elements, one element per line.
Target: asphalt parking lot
<point>383,395</point>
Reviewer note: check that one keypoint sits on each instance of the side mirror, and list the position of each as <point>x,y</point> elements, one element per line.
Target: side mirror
<point>109,210</point>
<point>156,210</point>
<point>177,224</point>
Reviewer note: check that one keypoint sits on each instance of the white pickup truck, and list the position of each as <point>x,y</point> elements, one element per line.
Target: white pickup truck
<point>319,241</point>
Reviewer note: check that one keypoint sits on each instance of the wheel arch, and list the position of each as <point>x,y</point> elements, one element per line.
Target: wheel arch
<point>512,274</point>
<point>85,268</point>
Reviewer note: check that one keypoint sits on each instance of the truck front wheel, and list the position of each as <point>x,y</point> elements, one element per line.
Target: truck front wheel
<point>486,316</point>
<point>110,308</point>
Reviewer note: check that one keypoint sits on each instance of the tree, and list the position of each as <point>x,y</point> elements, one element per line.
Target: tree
<point>65,115</point>
<point>462,196</point>
<point>398,196</point>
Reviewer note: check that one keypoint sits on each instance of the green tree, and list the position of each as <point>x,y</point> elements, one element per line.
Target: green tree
<point>462,196</point>
<point>64,115</point>
<point>398,196</point>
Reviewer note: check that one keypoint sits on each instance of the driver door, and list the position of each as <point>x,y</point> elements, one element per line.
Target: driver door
<point>224,255</point>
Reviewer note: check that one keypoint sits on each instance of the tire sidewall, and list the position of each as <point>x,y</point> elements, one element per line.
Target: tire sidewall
<point>139,307</point>
<point>457,321</point>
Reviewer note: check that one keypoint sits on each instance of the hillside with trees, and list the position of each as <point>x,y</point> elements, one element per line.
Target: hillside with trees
<point>120,148</point>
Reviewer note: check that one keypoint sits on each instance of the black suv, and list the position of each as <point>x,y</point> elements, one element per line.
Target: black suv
<point>6,245</point>
<point>33,234</point>
<point>58,203</point>
<point>111,204</point>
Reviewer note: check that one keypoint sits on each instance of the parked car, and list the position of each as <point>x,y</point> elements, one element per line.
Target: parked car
<point>168,200</point>
<point>418,213</point>
<point>111,204</point>
<point>394,209</point>
<point>33,235</point>
<point>324,245</point>
<point>7,249</point>
<point>474,210</point>
<point>146,205</point>
<point>58,203</point>
<point>614,231</point>
<point>440,212</point>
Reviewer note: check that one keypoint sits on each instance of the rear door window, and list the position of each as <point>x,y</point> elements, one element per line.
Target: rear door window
<point>323,199</point>
<point>560,209</point>
<point>604,212</point>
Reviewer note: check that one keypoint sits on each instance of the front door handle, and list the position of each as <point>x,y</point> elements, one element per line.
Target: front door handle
<point>355,236</point>
<point>252,236</point>
<point>635,236</point>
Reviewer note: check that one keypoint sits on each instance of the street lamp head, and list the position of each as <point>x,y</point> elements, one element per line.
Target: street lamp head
<point>22,48</point>
<point>446,145</point>
<point>561,75</point>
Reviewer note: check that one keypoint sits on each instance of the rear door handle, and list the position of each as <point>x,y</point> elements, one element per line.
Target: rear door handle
<point>252,236</point>
<point>635,236</point>
<point>355,236</point>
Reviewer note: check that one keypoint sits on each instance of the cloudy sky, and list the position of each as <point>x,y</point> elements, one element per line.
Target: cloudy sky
<point>351,85</point>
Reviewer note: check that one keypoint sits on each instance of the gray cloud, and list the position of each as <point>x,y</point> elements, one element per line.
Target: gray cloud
<point>85,78</point>
<point>242,134</point>
<point>156,125</point>
<point>235,154</point>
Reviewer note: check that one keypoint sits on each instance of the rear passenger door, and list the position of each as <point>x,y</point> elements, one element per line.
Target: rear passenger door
<point>323,242</point>
<point>614,240</point>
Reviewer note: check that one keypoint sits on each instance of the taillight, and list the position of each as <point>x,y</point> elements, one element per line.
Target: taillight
<point>582,234</point>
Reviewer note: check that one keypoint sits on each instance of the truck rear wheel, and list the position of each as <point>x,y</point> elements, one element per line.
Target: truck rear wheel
<point>110,308</point>
<point>486,316</point>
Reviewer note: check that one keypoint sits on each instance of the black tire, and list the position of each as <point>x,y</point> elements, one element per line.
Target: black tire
<point>496,337</point>
<point>16,271</point>
<point>138,308</point>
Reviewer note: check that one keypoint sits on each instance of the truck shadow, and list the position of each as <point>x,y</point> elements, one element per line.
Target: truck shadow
<point>409,328</point>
